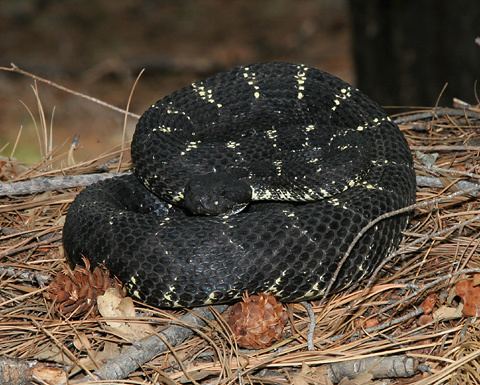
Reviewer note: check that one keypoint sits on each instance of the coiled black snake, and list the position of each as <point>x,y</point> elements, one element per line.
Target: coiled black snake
<point>263,176</point>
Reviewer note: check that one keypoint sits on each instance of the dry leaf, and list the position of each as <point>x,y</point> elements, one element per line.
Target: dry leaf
<point>476,280</point>
<point>96,359</point>
<point>362,323</point>
<point>81,342</point>
<point>428,303</point>
<point>470,295</point>
<point>312,376</point>
<point>113,305</point>
<point>110,350</point>
<point>10,168</point>
<point>371,322</point>
<point>53,353</point>
<point>445,313</point>
<point>195,375</point>
<point>424,319</point>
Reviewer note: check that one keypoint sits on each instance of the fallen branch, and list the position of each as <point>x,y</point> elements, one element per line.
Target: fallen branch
<point>430,181</point>
<point>147,348</point>
<point>436,113</point>
<point>376,367</point>
<point>452,171</point>
<point>42,184</point>
<point>359,371</point>
<point>25,275</point>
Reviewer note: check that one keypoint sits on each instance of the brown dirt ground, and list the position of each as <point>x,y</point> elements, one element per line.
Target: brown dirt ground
<point>99,47</point>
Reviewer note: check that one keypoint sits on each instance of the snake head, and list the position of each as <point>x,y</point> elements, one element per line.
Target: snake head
<point>215,194</point>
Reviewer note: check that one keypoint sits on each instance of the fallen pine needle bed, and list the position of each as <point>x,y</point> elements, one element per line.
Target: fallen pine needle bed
<point>413,322</point>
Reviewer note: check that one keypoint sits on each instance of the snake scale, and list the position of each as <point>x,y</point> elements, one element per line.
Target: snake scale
<point>256,179</point>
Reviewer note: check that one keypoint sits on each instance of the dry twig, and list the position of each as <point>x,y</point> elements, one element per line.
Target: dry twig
<point>18,70</point>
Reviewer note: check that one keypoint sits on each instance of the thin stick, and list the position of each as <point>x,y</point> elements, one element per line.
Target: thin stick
<point>17,139</point>
<point>125,118</point>
<point>444,88</point>
<point>35,125</point>
<point>436,113</point>
<point>452,171</point>
<point>18,70</point>
<point>311,325</point>
<point>43,122</point>
<point>50,143</point>
<point>445,148</point>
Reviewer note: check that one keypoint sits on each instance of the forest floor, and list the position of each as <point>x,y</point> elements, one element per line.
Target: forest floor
<point>414,319</point>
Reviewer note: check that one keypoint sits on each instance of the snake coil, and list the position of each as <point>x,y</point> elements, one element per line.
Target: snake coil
<point>256,179</point>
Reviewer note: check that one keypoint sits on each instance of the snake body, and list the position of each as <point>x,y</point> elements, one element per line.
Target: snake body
<point>256,179</point>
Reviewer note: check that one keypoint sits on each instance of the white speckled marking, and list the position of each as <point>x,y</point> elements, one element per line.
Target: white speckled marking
<point>165,129</point>
<point>339,97</point>
<point>250,77</point>
<point>301,76</point>
<point>278,166</point>
<point>191,145</point>
<point>272,135</point>
<point>205,94</point>
<point>232,144</point>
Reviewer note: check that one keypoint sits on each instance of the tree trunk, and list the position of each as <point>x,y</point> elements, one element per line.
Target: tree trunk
<point>405,51</point>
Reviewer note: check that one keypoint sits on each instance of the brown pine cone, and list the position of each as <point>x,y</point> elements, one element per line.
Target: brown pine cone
<point>258,321</point>
<point>75,292</point>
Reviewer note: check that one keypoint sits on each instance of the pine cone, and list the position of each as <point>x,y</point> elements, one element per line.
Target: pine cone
<point>75,292</point>
<point>258,321</point>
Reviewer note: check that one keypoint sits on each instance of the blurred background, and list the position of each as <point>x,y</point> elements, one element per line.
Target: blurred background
<point>400,52</point>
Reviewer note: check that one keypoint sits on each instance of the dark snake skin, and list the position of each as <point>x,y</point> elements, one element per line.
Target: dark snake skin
<point>317,158</point>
